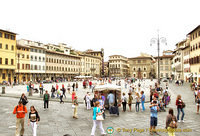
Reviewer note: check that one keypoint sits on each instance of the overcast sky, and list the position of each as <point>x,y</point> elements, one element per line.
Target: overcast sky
<point>123,27</point>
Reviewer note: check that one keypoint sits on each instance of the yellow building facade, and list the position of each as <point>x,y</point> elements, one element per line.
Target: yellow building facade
<point>195,53</point>
<point>22,70</point>
<point>7,56</point>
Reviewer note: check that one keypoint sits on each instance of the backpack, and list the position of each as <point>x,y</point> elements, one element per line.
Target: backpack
<point>23,107</point>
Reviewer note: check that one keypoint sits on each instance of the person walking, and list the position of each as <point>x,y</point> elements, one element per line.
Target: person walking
<point>64,91</point>
<point>130,99</point>
<point>20,111</point>
<point>171,123</point>
<point>46,100</point>
<point>124,102</point>
<point>73,86</point>
<point>68,87</point>
<point>33,119</point>
<point>41,88</point>
<point>143,100</point>
<point>137,105</point>
<point>180,107</point>
<point>24,99</point>
<point>75,102</point>
<point>154,117</point>
<point>97,111</point>
<point>53,90</point>
<point>61,96</point>
<point>88,101</point>
<point>73,95</point>
<point>76,86</point>
<point>198,101</point>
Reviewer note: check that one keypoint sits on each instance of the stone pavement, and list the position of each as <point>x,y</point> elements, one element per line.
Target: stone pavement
<point>58,120</point>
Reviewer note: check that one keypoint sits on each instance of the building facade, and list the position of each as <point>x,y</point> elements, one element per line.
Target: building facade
<point>60,64</point>
<point>165,64</point>
<point>7,56</point>
<point>186,64</point>
<point>178,61</point>
<point>194,61</point>
<point>141,67</point>
<point>90,65</point>
<point>36,54</point>
<point>118,66</point>
<point>98,54</point>
<point>23,62</point>
<point>106,69</point>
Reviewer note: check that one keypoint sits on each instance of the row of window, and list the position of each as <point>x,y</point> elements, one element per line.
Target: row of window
<point>144,75</point>
<point>36,58</point>
<point>196,35</point>
<point>7,47</point>
<point>37,50</point>
<point>7,62</point>
<point>7,36</point>
<point>54,68</point>
<point>166,68</point>
<point>139,69</point>
<point>194,47</point>
<point>51,60</point>
<point>194,60</point>
<point>23,66</point>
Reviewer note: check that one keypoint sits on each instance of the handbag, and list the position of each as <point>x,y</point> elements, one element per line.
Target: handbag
<point>73,106</point>
<point>99,117</point>
<point>183,105</point>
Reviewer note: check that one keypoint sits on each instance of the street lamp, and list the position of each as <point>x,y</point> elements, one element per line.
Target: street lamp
<point>158,40</point>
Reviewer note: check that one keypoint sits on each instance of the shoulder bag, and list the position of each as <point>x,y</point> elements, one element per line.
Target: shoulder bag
<point>99,117</point>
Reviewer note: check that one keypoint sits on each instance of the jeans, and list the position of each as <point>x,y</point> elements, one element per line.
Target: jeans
<point>46,104</point>
<point>124,106</point>
<point>34,128</point>
<point>180,109</point>
<point>95,124</point>
<point>137,106</point>
<point>20,121</point>
<point>143,108</point>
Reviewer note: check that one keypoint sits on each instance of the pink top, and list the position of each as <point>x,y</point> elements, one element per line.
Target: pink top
<point>73,95</point>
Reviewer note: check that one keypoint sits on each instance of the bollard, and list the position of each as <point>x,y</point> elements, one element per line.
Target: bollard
<point>3,90</point>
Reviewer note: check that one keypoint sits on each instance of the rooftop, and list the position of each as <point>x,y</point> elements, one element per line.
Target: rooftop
<point>194,30</point>
<point>8,31</point>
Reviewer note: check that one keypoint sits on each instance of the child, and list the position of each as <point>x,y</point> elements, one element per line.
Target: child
<point>154,117</point>
<point>172,127</point>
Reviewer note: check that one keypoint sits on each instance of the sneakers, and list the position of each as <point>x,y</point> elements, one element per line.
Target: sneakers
<point>179,121</point>
<point>182,121</point>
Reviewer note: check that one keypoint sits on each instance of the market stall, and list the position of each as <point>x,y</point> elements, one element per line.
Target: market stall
<point>105,89</point>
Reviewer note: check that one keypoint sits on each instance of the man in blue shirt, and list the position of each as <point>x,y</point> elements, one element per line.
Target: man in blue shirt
<point>154,116</point>
<point>142,100</point>
<point>111,99</point>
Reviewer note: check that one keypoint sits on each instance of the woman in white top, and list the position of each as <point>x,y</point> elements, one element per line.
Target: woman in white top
<point>88,101</point>
<point>124,102</point>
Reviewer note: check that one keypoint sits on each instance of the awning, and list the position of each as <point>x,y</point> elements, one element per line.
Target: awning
<point>194,76</point>
<point>189,75</point>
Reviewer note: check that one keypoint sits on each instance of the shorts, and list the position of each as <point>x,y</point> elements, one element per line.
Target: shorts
<point>153,121</point>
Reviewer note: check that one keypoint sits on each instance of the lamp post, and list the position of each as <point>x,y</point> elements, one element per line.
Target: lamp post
<point>18,65</point>
<point>158,40</point>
